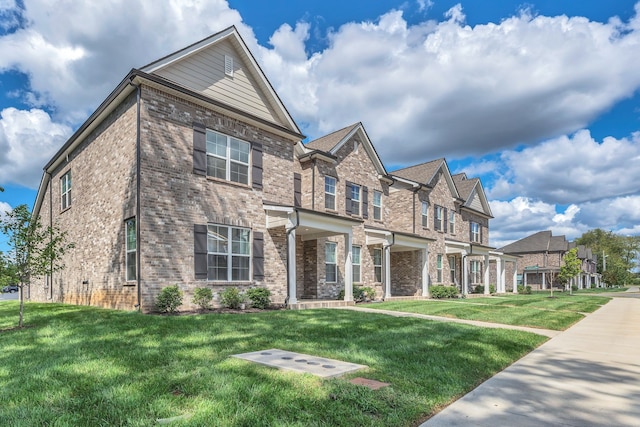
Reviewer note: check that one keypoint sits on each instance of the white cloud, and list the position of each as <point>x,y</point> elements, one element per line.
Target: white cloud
<point>28,139</point>
<point>522,217</point>
<point>4,209</point>
<point>571,169</point>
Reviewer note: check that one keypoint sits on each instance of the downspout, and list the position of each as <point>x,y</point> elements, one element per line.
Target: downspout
<point>50,233</point>
<point>138,198</point>
<point>286,301</point>
<point>313,185</point>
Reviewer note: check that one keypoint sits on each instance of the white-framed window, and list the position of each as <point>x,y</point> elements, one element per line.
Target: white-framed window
<point>377,205</point>
<point>227,157</point>
<point>355,199</point>
<point>355,262</point>
<point>425,214</point>
<point>228,253</point>
<point>330,265</point>
<point>439,218</point>
<point>452,221</point>
<point>330,193</point>
<point>131,246</point>
<point>452,269</point>
<point>475,272</point>
<point>65,190</point>
<point>475,232</point>
<point>439,269</point>
<point>377,264</point>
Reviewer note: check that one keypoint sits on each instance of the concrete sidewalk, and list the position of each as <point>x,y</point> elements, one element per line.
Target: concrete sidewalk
<point>588,375</point>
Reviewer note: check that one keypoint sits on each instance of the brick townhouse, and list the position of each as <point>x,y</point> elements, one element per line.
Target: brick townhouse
<point>192,172</point>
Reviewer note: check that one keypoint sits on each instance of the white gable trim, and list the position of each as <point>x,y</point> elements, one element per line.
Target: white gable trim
<point>368,146</point>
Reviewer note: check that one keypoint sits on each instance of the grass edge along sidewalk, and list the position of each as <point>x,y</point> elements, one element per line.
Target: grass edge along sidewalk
<point>76,365</point>
<point>533,311</point>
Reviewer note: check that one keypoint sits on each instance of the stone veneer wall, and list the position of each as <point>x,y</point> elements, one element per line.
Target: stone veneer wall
<point>102,196</point>
<point>174,199</point>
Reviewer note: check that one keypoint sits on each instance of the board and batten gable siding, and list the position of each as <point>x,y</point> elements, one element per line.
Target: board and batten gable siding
<point>204,72</point>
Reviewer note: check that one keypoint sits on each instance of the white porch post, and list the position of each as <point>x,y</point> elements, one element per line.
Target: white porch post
<point>425,272</point>
<point>465,274</point>
<point>515,277</point>
<point>486,275</point>
<point>500,285</point>
<point>291,256</point>
<point>387,271</point>
<point>348,268</point>
<point>544,281</point>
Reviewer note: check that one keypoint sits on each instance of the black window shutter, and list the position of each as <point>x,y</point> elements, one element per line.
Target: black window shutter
<point>199,149</point>
<point>480,229</point>
<point>297,190</point>
<point>347,202</point>
<point>200,251</point>
<point>436,226</point>
<point>258,256</point>
<point>365,202</point>
<point>444,219</point>
<point>256,161</point>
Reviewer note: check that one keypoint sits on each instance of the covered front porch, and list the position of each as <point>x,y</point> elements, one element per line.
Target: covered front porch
<point>476,263</point>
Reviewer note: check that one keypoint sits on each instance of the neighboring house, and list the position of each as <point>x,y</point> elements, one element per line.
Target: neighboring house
<point>541,257</point>
<point>192,172</point>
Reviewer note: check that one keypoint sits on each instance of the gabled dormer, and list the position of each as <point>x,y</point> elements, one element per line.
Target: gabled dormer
<point>472,194</point>
<point>428,173</point>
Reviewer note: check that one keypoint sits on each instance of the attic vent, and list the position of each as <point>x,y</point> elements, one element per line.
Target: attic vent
<point>228,65</point>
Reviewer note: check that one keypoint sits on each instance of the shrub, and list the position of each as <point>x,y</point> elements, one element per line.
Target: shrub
<point>202,297</point>
<point>441,291</point>
<point>479,289</point>
<point>360,294</point>
<point>524,290</point>
<point>169,299</point>
<point>259,297</point>
<point>231,298</point>
<point>574,287</point>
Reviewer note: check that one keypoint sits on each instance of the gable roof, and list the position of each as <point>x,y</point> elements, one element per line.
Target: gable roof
<point>424,174</point>
<point>332,142</point>
<point>541,241</point>
<point>201,67</point>
<point>472,192</point>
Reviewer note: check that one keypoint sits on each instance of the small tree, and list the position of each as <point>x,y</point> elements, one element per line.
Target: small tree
<point>35,250</point>
<point>571,266</point>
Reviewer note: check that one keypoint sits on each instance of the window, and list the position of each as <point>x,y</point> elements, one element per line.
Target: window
<point>475,232</point>
<point>439,218</point>
<point>65,190</point>
<point>131,242</point>
<point>355,199</point>
<point>475,272</point>
<point>425,214</point>
<point>355,262</point>
<point>452,222</point>
<point>377,264</point>
<point>439,269</point>
<point>377,205</point>
<point>330,193</point>
<point>452,268</point>
<point>228,262</point>
<point>227,157</point>
<point>331,268</point>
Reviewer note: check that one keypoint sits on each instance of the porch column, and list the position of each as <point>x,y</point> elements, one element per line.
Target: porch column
<point>515,277</point>
<point>486,275</point>
<point>500,285</point>
<point>348,268</point>
<point>387,271</point>
<point>465,274</point>
<point>425,272</point>
<point>291,257</point>
<point>544,281</point>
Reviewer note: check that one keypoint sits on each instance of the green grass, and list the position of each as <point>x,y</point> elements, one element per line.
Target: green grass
<point>600,290</point>
<point>86,366</point>
<point>537,311</point>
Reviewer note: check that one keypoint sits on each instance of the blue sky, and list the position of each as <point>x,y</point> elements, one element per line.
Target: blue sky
<point>539,99</point>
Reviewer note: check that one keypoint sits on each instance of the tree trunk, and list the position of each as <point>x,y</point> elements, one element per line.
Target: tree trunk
<point>21,304</point>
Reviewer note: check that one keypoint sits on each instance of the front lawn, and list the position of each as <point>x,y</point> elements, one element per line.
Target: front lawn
<point>537,311</point>
<point>86,366</point>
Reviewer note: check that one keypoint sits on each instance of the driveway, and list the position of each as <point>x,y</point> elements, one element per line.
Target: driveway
<point>587,376</point>
<point>9,296</point>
